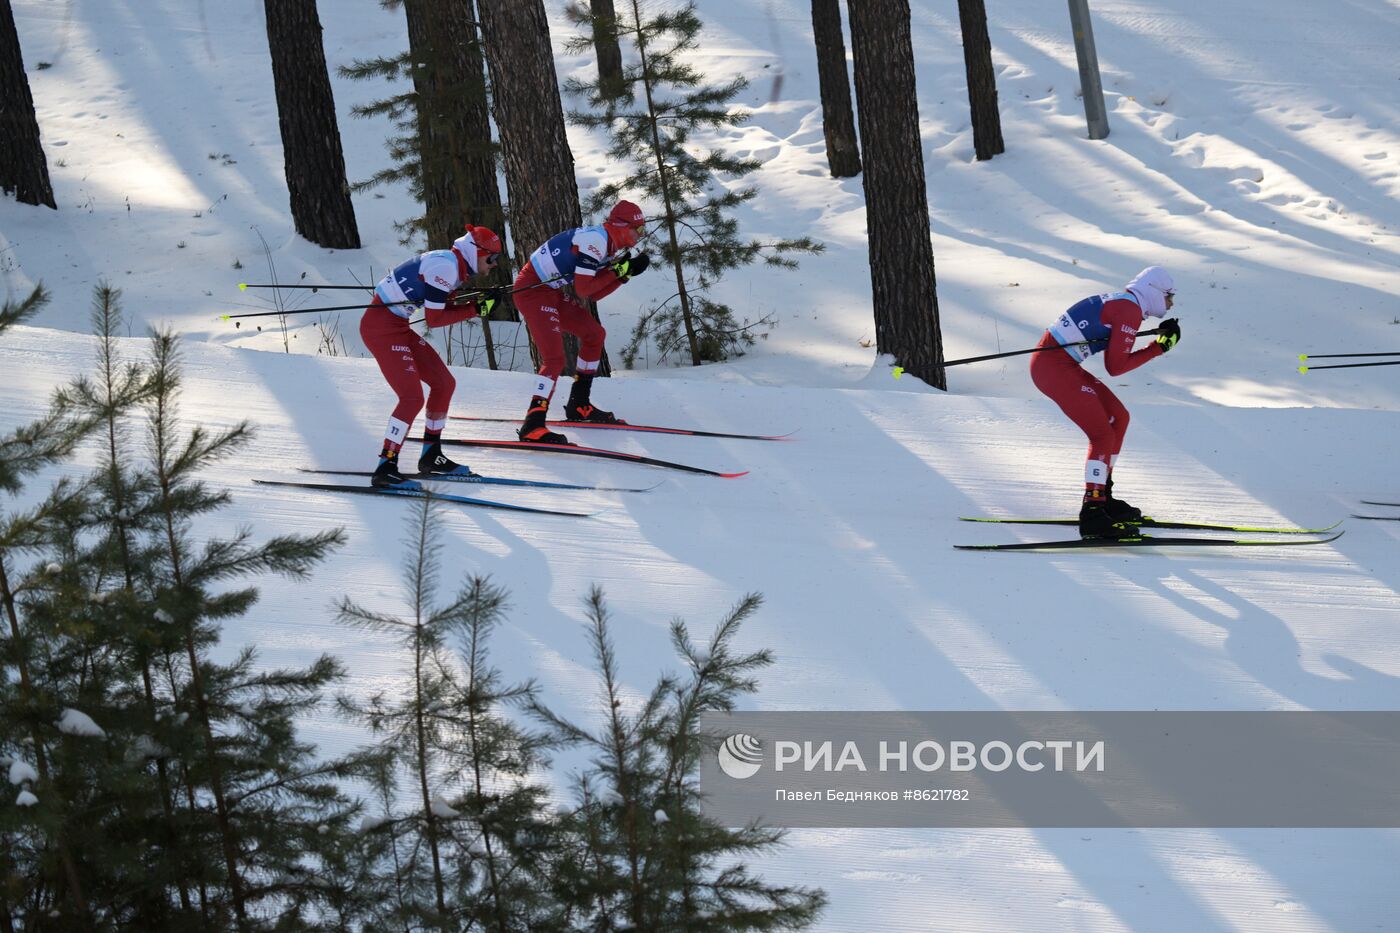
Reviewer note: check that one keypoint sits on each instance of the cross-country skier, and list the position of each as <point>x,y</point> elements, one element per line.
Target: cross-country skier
<point>1111,323</point>
<point>578,264</point>
<point>407,361</point>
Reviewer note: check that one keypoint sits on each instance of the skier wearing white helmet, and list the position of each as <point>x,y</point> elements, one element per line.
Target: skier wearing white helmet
<point>408,361</point>
<point>1105,324</point>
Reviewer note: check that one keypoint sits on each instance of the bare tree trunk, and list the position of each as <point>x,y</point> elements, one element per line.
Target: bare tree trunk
<point>896,197</point>
<point>24,172</point>
<point>455,155</point>
<point>315,165</point>
<point>454,129</point>
<point>838,122</point>
<point>539,164</point>
<point>606,47</point>
<point>981,79</point>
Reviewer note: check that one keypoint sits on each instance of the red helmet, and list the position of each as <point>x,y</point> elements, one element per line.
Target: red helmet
<point>479,246</point>
<point>626,221</point>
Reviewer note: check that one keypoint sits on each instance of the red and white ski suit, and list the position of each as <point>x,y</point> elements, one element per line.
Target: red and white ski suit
<point>1083,398</point>
<point>567,269</point>
<point>406,359</point>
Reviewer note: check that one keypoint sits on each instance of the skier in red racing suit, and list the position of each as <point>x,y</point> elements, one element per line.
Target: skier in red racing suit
<point>1110,324</point>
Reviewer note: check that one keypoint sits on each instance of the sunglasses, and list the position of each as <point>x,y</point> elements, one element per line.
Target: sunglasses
<point>492,258</point>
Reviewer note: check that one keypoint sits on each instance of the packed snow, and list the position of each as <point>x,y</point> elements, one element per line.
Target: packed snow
<point>1255,152</point>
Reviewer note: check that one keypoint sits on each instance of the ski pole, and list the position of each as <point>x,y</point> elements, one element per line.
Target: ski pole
<point>243,286</point>
<point>360,307</point>
<point>1308,369</point>
<point>502,290</point>
<point>1304,357</point>
<point>997,356</point>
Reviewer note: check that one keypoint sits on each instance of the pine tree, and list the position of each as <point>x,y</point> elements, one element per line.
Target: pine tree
<point>38,828</point>
<point>313,162</point>
<point>606,47</point>
<point>645,857</point>
<point>23,169</point>
<point>442,148</point>
<point>981,79</point>
<point>838,121</point>
<point>903,286</point>
<point>663,104</point>
<point>462,837</point>
<point>535,153</point>
<point>229,726</point>
<point>442,144</point>
<point>132,730</point>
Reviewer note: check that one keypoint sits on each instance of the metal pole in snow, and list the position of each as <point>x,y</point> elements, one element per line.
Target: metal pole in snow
<point>1089,80</point>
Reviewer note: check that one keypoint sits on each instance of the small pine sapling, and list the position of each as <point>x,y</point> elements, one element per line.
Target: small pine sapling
<point>652,118</point>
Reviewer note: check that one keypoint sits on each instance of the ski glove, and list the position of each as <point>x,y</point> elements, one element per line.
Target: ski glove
<point>484,305</point>
<point>1168,333</point>
<point>632,266</point>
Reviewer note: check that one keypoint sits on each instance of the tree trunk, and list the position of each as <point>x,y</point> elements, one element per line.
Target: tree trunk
<point>539,164</point>
<point>457,161</point>
<point>606,47</point>
<point>23,170</point>
<point>842,151</point>
<point>981,79</point>
<point>315,165</point>
<point>454,129</point>
<point>896,198</point>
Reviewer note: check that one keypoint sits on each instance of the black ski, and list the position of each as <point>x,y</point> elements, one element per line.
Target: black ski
<point>1160,523</point>
<point>470,477</point>
<point>1372,502</point>
<point>1140,541</point>
<point>1378,518</point>
<point>418,492</point>
<point>645,428</point>
<point>586,452</point>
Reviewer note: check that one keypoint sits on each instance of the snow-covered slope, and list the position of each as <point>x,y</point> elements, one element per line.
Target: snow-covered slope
<point>847,531</point>
<point>1255,150</point>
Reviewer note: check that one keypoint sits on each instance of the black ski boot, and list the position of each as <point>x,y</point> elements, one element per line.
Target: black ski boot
<point>387,475</point>
<point>579,408</point>
<point>1096,522</point>
<point>535,430</point>
<point>1119,510</point>
<point>434,461</point>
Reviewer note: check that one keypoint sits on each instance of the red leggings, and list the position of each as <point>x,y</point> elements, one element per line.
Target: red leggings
<point>549,314</point>
<point>1086,400</point>
<point>407,361</point>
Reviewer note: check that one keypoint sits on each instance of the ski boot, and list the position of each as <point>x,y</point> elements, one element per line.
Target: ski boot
<point>535,430</point>
<point>1095,521</point>
<point>434,462</point>
<point>1119,510</point>
<point>579,408</point>
<point>387,475</point>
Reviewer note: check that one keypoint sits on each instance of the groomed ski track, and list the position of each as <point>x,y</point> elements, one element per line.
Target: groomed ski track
<point>847,532</point>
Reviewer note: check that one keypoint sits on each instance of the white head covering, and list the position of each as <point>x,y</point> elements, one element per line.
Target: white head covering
<point>1151,287</point>
<point>465,245</point>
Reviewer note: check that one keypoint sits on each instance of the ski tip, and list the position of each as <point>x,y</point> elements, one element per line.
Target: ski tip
<point>1302,369</point>
<point>1302,357</point>
<point>242,286</point>
<point>733,475</point>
